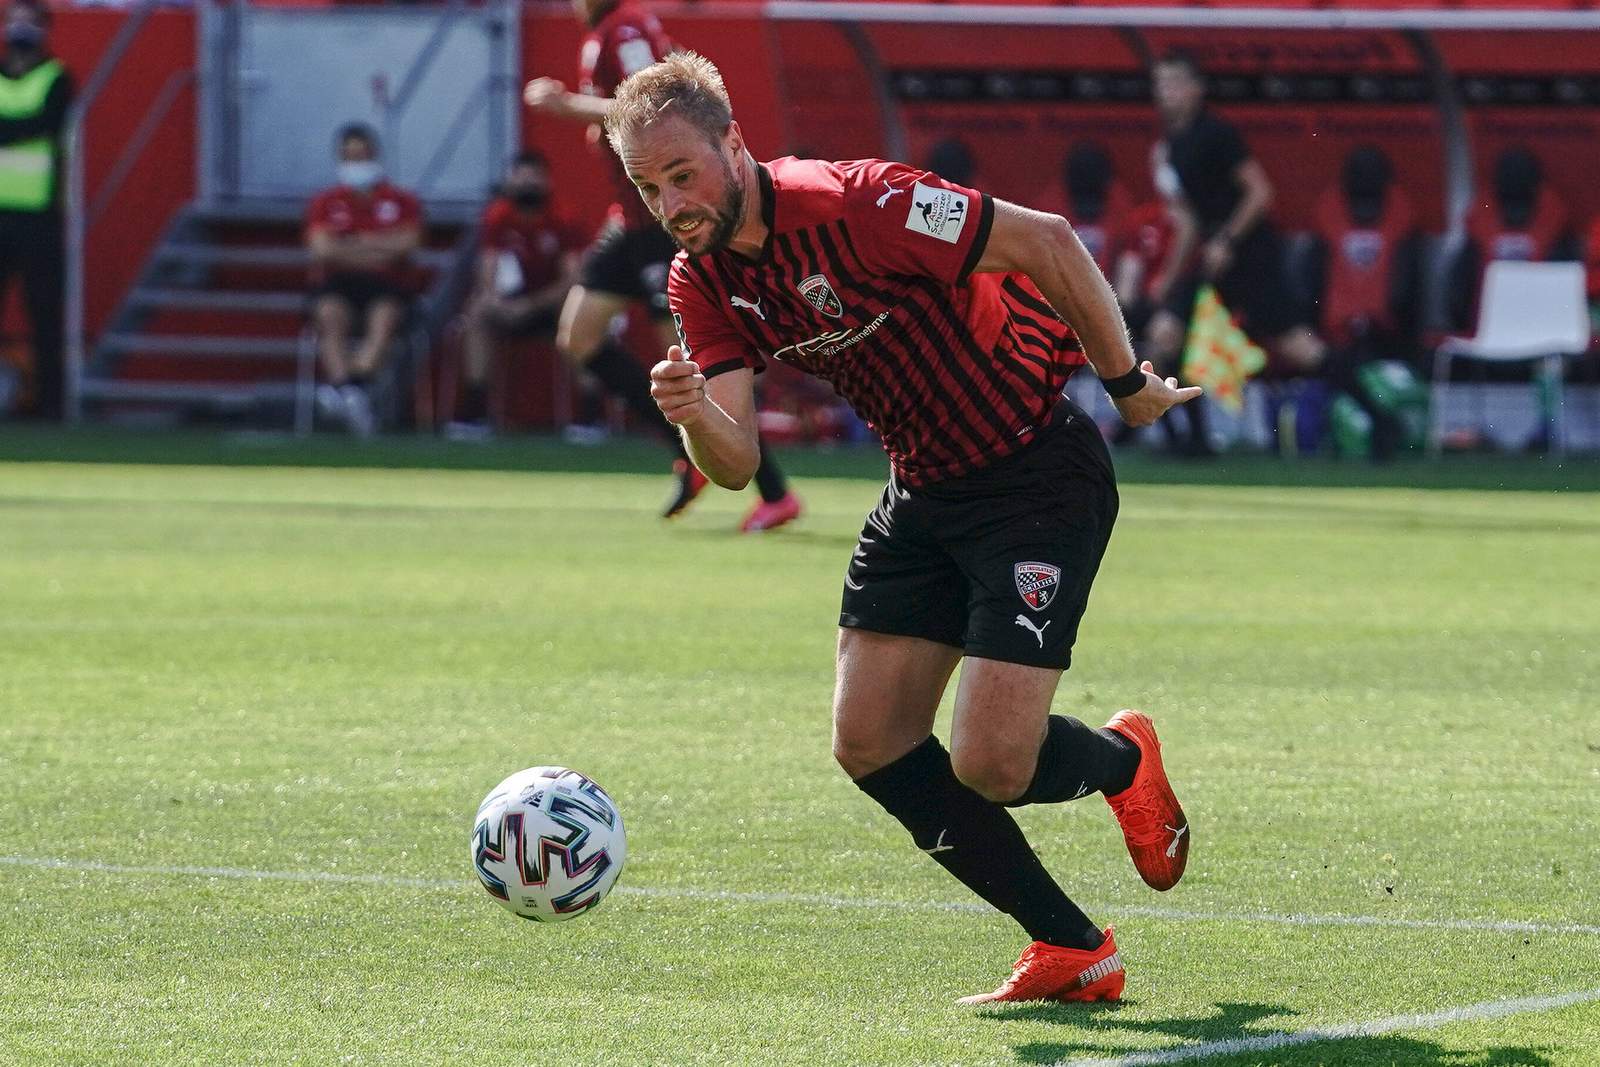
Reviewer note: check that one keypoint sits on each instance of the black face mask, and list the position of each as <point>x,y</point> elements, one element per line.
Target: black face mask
<point>24,38</point>
<point>530,199</point>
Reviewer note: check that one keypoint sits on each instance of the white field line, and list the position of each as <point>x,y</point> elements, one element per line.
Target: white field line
<point>1488,1009</point>
<point>806,899</point>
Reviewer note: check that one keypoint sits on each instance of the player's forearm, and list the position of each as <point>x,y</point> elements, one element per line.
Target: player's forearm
<point>1071,281</point>
<point>581,107</point>
<point>725,451</point>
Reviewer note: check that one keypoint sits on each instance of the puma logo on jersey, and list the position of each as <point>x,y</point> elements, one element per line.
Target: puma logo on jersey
<point>741,302</point>
<point>1038,631</point>
<point>939,845</point>
<point>892,192</point>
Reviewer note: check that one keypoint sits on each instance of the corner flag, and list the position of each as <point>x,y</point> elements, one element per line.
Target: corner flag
<point>1218,356</point>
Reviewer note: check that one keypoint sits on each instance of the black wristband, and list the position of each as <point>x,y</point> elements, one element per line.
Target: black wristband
<point>1124,385</point>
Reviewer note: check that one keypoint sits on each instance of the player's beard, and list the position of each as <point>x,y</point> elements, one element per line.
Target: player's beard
<point>724,223</point>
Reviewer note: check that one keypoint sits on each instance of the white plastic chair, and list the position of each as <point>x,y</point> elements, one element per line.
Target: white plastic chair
<point>1527,312</point>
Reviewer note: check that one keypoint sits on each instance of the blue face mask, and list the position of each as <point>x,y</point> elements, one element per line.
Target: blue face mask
<point>360,174</point>
<point>24,38</point>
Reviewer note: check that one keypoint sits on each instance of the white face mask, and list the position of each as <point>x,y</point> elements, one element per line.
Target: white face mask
<point>360,174</point>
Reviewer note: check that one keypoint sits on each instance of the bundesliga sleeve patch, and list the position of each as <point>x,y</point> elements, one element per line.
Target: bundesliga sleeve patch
<point>938,212</point>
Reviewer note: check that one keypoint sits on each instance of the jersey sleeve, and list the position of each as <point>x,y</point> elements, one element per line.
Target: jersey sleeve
<point>1227,149</point>
<point>704,331</point>
<point>904,220</point>
<point>317,210</point>
<point>493,226</point>
<point>410,208</point>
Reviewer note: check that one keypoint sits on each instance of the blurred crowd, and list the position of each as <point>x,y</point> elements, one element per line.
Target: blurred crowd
<point>1340,315</point>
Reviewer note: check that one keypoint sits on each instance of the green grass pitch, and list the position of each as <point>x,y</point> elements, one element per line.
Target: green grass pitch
<point>1380,703</point>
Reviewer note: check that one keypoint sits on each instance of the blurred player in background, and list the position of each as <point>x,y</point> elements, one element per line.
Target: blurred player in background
<point>527,263</point>
<point>1221,196</point>
<point>628,262</point>
<point>35,91</point>
<point>941,315</point>
<point>361,235</point>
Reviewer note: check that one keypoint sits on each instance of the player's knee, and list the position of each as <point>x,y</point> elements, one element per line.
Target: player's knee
<point>856,755</point>
<point>994,773</point>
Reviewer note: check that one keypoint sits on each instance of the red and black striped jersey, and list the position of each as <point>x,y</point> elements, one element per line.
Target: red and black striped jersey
<point>625,41</point>
<point>866,281</point>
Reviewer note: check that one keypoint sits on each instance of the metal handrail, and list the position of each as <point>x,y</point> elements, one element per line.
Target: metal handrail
<point>74,207</point>
<point>153,117</point>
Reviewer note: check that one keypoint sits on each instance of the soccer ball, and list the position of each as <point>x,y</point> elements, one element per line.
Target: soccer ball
<point>548,844</point>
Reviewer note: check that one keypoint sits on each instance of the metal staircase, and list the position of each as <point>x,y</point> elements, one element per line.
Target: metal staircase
<point>215,324</point>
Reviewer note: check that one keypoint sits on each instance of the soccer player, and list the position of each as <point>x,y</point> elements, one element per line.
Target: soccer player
<point>941,315</point>
<point>628,262</point>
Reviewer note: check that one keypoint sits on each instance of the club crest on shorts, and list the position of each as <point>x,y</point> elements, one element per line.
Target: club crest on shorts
<point>820,295</point>
<point>1037,583</point>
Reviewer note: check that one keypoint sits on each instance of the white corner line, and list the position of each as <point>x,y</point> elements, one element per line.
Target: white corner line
<point>817,900</point>
<point>1488,1009</point>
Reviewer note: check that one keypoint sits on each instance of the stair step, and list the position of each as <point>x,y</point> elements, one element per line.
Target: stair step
<point>271,255</point>
<point>220,300</point>
<point>202,345</point>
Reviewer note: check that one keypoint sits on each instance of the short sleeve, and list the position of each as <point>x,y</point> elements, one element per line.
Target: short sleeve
<point>904,220</point>
<point>492,226</point>
<point>707,336</point>
<point>410,208</point>
<point>317,211</point>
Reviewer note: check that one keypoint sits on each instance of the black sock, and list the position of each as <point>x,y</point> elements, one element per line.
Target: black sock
<point>622,376</point>
<point>770,481</point>
<point>475,404</point>
<point>1075,761</point>
<point>977,841</point>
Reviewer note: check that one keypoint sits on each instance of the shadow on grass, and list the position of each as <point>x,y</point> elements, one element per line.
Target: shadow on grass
<point>1235,1022</point>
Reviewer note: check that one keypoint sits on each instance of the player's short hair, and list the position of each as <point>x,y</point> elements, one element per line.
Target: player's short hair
<point>357,131</point>
<point>684,84</point>
<point>1178,57</point>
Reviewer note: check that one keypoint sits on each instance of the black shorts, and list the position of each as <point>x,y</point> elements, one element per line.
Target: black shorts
<point>998,562</point>
<point>631,263</point>
<point>1255,288</point>
<point>360,291</point>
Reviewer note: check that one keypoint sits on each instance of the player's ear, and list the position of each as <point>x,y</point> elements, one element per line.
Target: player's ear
<point>733,140</point>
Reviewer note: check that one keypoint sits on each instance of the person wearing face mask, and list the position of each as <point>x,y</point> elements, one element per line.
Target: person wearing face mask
<point>1364,270</point>
<point>361,235</point>
<point>527,262</point>
<point>35,91</point>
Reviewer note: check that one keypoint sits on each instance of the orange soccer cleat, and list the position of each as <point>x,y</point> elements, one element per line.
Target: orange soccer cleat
<point>1050,972</point>
<point>765,516</point>
<point>687,483</point>
<point>1153,824</point>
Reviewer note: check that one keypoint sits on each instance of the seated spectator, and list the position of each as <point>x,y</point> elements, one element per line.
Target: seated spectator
<point>527,261</point>
<point>1364,274</point>
<point>361,235</point>
<point>1139,253</point>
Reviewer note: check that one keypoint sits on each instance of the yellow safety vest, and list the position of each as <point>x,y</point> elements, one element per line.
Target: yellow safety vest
<point>28,168</point>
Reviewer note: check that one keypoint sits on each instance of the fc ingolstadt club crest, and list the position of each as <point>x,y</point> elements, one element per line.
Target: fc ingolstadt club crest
<point>820,295</point>
<point>1037,583</point>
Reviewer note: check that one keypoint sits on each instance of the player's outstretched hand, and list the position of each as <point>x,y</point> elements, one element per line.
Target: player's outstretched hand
<point>1151,402</point>
<point>678,387</point>
<point>545,94</point>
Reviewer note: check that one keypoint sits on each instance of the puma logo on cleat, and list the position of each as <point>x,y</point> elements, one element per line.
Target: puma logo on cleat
<point>741,302</point>
<point>1177,835</point>
<point>1038,631</point>
<point>893,192</point>
<point>939,845</point>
